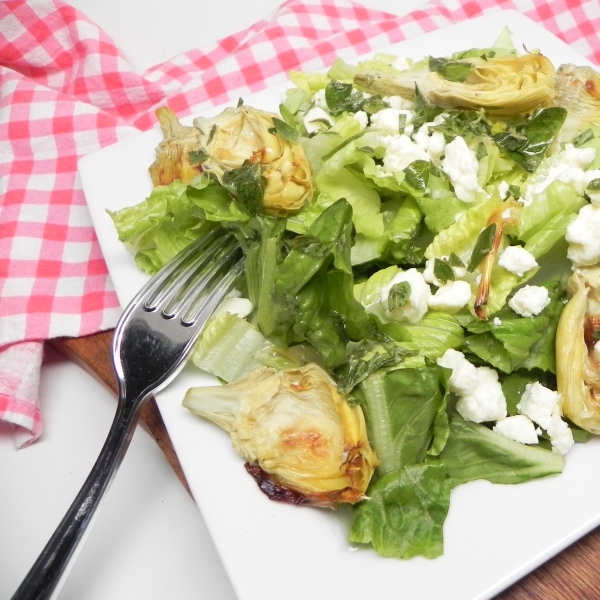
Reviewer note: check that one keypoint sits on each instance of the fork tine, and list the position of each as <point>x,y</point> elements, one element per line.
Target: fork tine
<point>152,290</point>
<point>198,309</point>
<point>200,274</point>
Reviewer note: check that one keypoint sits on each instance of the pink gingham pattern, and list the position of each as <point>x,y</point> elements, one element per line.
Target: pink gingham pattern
<point>65,91</point>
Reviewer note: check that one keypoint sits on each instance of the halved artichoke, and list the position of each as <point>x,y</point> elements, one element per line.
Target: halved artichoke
<point>247,134</point>
<point>508,84</point>
<point>298,433</point>
<point>578,90</point>
<point>577,368</point>
<point>173,153</point>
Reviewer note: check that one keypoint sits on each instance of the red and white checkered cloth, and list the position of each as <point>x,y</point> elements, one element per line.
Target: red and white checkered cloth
<point>65,91</point>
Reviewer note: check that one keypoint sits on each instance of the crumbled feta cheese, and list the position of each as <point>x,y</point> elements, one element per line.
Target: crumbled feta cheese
<point>240,307</point>
<point>480,394</point>
<point>517,260</point>
<point>319,99</point>
<point>402,63</point>
<point>416,306</point>
<point>561,436</point>
<point>399,103</point>
<point>539,403</point>
<point>362,118</point>
<point>429,271</point>
<point>518,428</point>
<point>387,121</point>
<point>400,152</point>
<point>530,300</point>
<point>433,144</point>
<point>503,189</point>
<point>542,406</point>
<point>569,167</point>
<point>583,236</point>
<point>497,322</point>
<point>313,117</point>
<point>451,297</point>
<point>461,166</point>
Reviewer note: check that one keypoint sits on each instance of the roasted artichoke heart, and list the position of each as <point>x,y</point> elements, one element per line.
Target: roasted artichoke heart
<point>577,362</point>
<point>578,90</point>
<point>173,153</point>
<point>509,84</point>
<point>247,134</point>
<point>298,428</point>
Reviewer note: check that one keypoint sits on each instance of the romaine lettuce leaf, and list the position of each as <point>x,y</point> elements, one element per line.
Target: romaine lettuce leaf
<point>405,514</point>
<point>400,407</point>
<point>160,226</point>
<point>511,342</point>
<point>231,348</point>
<point>548,215</point>
<point>475,452</point>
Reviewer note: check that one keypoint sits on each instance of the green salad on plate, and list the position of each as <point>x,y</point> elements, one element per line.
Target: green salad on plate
<point>420,305</point>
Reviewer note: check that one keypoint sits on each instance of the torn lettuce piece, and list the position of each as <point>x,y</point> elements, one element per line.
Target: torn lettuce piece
<point>230,348</point>
<point>405,514</point>
<point>475,452</point>
<point>400,407</point>
<point>510,342</point>
<point>160,226</point>
<point>544,222</point>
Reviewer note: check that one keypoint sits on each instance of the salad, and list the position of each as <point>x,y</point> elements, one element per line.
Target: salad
<point>419,306</point>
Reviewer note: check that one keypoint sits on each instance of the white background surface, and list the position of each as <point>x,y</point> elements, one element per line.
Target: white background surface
<point>149,540</point>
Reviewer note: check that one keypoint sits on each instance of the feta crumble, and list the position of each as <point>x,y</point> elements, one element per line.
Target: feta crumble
<point>569,167</point>
<point>240,307</point>
<point>400,152</point>
<point>503,189</point>
<point>542,406</point>
<point>362,118</point>
<point>518,428</point>
<point>451,297</point>
<point>429,271</point>
<point>319,99</point>
<point>583,236</point>
<point>480,394</point>
<point>398,102</point>
<point>416,307</point>
<point>461,166</point>
<point>517,260</point>
<point>387,121</point>
<point>530,300</point>
<point>312,119</point>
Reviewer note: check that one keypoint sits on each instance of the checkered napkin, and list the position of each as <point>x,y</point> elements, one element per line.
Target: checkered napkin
<point>66,90</point>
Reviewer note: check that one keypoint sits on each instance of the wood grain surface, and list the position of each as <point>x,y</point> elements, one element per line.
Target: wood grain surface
<point>574,574</point>
<point>94,354</point>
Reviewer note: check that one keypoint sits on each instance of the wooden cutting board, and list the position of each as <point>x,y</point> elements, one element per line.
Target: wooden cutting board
<point>572,575</point>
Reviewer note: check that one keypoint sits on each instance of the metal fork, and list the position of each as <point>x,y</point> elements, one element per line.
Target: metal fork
<point>151,341</point>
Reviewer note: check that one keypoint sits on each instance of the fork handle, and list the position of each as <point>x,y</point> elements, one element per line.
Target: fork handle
<point>46,572</point>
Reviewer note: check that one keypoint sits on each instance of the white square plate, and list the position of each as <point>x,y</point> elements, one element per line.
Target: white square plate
<point>494,534</point>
